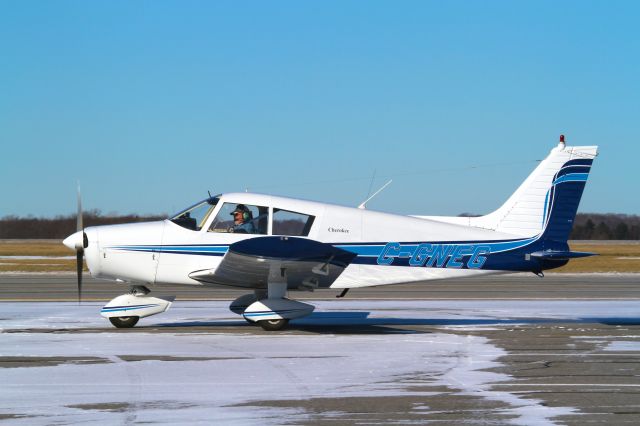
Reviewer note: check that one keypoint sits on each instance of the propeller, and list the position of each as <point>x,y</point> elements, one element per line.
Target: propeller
<point>78,241</point>
<point>80,245</point>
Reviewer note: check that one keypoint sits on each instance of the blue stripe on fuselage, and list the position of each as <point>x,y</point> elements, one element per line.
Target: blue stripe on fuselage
<point>201,250</point>
<point>438,254</point>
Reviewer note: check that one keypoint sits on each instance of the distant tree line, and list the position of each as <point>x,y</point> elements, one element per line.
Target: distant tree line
<point>587,226</point>
<point>60,227</point>
<point>608,226</point>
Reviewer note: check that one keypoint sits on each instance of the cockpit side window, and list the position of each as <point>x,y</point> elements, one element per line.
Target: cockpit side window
<point>194,217</point>
<point>241,218</point>
<point>286,222</point>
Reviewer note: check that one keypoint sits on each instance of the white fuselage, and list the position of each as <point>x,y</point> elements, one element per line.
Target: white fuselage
<point>168,253</point>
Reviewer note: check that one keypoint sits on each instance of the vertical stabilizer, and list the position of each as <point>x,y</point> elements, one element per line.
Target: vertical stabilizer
<point>547,201</point>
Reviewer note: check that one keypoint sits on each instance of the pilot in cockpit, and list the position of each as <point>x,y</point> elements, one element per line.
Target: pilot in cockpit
<point>242,220</point>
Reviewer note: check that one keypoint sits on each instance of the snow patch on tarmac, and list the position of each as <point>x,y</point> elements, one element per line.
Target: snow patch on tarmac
<point>623,346</point>
<point>245,368</point>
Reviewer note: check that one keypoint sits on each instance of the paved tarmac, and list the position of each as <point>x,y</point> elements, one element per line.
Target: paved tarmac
<point>50,287</point>
<point>587,366</point>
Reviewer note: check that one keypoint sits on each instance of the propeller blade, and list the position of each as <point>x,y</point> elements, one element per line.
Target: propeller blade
<point>79,224</point>
<point>79,261</point>
<point>80,250</point>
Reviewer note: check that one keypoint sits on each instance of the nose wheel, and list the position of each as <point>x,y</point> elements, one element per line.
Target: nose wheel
<point>273,325</point>
<point>124,322</point>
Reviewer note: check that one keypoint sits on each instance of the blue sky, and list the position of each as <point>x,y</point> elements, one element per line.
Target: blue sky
<point>149,104</point>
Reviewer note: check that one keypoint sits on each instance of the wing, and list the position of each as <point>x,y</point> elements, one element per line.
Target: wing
<point>304,264</point>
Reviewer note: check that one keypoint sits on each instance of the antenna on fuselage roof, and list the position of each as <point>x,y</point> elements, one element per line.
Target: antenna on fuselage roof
<point>373,178</point>
<point>363,205</point>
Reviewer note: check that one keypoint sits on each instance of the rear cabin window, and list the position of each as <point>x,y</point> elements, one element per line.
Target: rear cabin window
<point>286,222</point>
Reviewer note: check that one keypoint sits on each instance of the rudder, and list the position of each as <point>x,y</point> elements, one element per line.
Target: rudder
<point>563,198</point>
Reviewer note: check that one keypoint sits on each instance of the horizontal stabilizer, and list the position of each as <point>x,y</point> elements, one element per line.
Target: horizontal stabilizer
<point>560,255</point>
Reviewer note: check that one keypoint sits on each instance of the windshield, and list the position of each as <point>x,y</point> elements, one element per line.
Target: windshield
<point>195,216</point>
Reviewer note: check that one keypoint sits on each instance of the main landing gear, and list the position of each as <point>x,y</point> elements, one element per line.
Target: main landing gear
<point>270,309</point>
<point>126,310</point>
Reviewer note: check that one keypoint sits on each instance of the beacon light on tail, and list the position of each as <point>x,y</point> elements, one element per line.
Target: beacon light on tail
<point>273,246</point>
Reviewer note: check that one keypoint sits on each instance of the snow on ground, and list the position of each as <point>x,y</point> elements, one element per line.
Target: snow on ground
<point>241,367</point>
<point>625,345</point>
<point>371,312</point>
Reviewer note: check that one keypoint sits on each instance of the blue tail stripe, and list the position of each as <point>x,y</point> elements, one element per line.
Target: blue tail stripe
<point>573,169</point>
<point>572,177</point>
<point>579,162</point>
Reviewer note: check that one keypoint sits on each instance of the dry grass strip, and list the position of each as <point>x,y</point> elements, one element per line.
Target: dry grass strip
<point>617,257</point>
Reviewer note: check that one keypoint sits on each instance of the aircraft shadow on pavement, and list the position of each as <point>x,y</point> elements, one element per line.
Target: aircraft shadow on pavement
<point>360,322</point>
<point>612,320</point>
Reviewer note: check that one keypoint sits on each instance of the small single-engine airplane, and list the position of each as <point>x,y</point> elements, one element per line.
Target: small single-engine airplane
<point>270,245</point>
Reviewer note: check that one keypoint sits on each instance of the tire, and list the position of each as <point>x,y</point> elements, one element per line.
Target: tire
<point>273,325</point>
<point>124,322</point>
